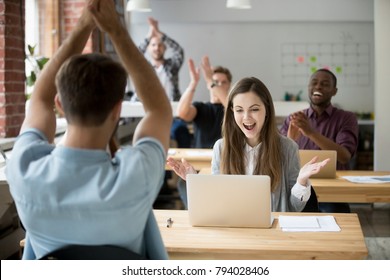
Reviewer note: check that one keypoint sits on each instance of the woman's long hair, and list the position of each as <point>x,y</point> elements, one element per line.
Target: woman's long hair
<point>270,156</point>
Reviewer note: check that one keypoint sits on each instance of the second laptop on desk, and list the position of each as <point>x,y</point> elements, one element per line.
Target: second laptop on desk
<point>229,200</point>
<point>329,170</point>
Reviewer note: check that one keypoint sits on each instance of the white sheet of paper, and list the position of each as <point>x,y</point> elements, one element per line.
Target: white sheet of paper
<point>368,179</point>
<point>292,223</point>
<point>298,222</point>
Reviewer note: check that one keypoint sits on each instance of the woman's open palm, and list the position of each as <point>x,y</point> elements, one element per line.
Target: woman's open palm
<point>181,168</point>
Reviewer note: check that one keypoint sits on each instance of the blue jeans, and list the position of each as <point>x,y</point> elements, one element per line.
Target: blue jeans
<point>182,188</point>
<point>180,133</point>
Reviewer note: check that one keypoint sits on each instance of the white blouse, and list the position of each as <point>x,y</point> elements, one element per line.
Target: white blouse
<point>251,155</point>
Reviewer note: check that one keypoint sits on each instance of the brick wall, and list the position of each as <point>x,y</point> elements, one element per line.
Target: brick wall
<point>12,72</point>
<point>71,11</point>
<point>12,64</point>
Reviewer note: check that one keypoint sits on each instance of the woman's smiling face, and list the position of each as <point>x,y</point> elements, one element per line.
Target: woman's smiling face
<point>249,114</point>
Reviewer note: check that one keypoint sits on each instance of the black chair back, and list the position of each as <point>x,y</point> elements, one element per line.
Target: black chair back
<point>92,252</point>
<point>312,203</point>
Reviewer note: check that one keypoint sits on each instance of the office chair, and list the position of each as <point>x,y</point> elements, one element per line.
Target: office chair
<point>92,252</point>
<point>312,203</point>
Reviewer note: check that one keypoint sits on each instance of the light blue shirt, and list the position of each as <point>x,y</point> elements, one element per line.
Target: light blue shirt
<point>76,196</point>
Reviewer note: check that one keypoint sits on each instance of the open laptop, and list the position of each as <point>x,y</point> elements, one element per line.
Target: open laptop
<point>329,170</point>
<point>229,200</point>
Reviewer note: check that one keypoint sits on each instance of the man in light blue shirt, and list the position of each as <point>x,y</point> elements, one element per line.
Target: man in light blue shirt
<point>77,193</point>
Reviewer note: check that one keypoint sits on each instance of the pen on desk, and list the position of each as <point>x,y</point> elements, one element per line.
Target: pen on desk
<point>169,222</point>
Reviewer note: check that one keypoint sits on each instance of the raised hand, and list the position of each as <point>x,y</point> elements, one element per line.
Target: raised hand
<point>310,168</point>
<point>293,132</point>
<point>181,168</point>
<point>86,16</point>
<point>105,15</point>
<point>153,28</point>
<point>194,72</point>
<point>300,121</point>
<point>207,71</point>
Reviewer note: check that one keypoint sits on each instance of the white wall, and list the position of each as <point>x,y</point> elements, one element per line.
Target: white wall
<point>250,42</point>
<point>382,85</point>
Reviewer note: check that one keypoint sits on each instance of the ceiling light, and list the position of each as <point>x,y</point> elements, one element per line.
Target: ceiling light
<point>238,4</point>
<point>138,6</point>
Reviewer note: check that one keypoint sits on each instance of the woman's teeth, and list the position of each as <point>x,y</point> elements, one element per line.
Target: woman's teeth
<point>249,126</point>
<point>316,93</point>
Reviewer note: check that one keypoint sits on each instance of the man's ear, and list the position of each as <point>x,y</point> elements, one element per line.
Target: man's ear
<point>335,91</point>
<point>58,104</point>
<point>116,111</point>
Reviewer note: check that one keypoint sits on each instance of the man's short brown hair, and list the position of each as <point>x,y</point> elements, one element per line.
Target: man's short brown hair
<point>89,86</point>
<point>223,70</point>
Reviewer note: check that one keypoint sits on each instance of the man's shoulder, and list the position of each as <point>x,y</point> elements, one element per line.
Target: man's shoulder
<point>33,133</point>
<point>201,104</point>
<point>206,110</point>
<point>340,110</point>
<point>208,105</point>
<point>28,139</point>
<point>344,113</point>
<point>29,146</point>
<point>146,146</point>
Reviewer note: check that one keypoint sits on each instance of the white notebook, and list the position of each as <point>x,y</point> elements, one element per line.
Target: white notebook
<point>308,223</point>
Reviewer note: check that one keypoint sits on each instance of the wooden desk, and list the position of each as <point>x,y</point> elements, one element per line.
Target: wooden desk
<point>183,241</point>
<point>341,190</point>
<point>198,158</point>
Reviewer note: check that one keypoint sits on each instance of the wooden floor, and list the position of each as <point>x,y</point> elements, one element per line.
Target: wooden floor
<point>375,221</point>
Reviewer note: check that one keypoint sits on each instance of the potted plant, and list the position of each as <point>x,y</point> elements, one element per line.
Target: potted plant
<point>36,64</point>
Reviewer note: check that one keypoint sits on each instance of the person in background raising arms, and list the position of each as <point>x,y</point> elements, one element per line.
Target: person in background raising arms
<point>207,117</point>
<point>251,144</point>
<point>76,193</point>
<point>156,44</point>
<point>325,127</point>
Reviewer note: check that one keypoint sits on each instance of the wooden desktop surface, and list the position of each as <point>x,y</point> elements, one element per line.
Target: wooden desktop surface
<point>183,241</point>
<point>198,158</point>
<point>342,190</point>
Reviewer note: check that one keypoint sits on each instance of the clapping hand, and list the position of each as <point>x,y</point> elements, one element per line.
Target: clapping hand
<point>293,132</point>
<point>194,72</point>
<point>207,70</point>
<point>154,31</point>
<point>299,125</point>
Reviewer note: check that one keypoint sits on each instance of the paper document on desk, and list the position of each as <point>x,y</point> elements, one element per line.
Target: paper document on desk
<point>308,223</point>
<point>368,179</point>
